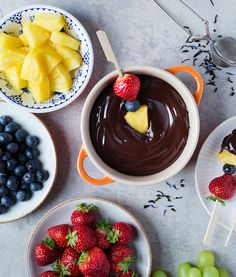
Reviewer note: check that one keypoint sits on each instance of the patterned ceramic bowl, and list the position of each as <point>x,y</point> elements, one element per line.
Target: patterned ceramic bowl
<point>12,23</point>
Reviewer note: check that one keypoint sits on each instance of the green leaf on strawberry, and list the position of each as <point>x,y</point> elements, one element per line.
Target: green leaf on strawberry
<point>72,238</point>
<point>215,198</point>
<point>85,208</point>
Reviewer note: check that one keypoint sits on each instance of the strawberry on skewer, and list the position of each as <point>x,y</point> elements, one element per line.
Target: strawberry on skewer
<point>222,188</point>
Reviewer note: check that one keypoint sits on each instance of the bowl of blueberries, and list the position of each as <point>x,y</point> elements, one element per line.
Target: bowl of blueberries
<point>27,163</point>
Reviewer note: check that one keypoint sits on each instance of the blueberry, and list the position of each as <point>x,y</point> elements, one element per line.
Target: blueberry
<point>21,135</point>
<point>31,153</point>
<point>3,209</point>
<point>11,164</point>
<point>11,127</point>
<point>20,170</point>
<point>33,165</point>
<point>22,148</point>
<point>29,178</point>
<point>23,195</point>
<point>12,147</point>
<point>3,190</point>
<point>229,169</point>
<point>6,156</point>
<point>4,120</point>
<point>12,183</point>
<point>22,159</point>
<point>1,152</point>
<point>2,166</point>
<point>5,138</point>
<point>31,141</point>
<point>36,186</point>
<point>7,201</point>
<point>132,106</point>
<point>3,179</point>
<point>24,186</point>
<point>42,175</point>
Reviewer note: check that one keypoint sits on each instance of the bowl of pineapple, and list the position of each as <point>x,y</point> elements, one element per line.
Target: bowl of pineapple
<point>46,58</point>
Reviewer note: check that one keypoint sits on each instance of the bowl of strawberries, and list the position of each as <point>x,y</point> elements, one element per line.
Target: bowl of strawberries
<point>89,237</point>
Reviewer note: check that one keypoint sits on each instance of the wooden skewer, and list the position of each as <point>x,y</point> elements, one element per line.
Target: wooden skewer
<point>107,49</point>
<point>212,225</point>
<point>230,233</point>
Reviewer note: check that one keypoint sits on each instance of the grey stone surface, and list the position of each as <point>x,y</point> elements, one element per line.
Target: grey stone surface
<point>140,34</point>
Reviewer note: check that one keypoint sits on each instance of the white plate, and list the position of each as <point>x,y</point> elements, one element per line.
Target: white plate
<point>47,156</point>
<point>208,167</point>
<point>12,23</point>
<point>109,211</point>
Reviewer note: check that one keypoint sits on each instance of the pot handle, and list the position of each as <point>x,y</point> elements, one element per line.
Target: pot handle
<point>80,166</point>
<point>192,71</point>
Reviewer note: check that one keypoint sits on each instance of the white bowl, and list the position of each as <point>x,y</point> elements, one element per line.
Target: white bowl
<point>209,167</point>
<point>109,211</point>
<point>12,23</point>
<point>47,156</point>
<point>114,175</point>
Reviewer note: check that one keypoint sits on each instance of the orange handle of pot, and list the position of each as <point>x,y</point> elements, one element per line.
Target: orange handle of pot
<point>192,71</point>
<point>80,166</point>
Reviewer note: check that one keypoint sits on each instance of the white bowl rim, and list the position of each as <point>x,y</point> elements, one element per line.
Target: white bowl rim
<point>182,160</point>
<point>40,122</point>
<point>52,109</point>
<point>89,198</point>
<point>198,159</point>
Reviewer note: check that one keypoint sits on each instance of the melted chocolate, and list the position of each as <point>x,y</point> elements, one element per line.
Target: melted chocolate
<point>129,152</point>
<point>229,143</point>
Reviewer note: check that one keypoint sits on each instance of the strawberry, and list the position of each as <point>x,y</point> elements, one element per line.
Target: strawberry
<point>58,234</point>
<point>222,188</point>
<point>81,238</point>
<point>129,273</point>
<point>67,265</point>
<point>120,256</point>
<point>68,262</point>
<point>84,214</point>
<point>127,87</point>
<point>102,231</point>
<point>94,263</point>
<point>46,252</point>
<point>123,233</point>
<point>49,273</point>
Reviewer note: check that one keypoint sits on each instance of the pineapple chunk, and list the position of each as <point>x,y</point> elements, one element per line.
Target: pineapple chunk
<point>33,67</point>
<point>11,57</point>
<point>25,49</point>
<point>9,41</point>
<point>138,120</point>
<point>60,79</point>
<point>70,58</point>
<point>65,40</point>
<point>40,89</point>
<point>50,21</point>
<point>50,58</point>
<point>13,76</point>
<point>34,34</point>
<point>23,40</point>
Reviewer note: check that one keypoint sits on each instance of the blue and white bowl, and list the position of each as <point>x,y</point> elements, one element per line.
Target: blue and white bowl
<point>12,23</point>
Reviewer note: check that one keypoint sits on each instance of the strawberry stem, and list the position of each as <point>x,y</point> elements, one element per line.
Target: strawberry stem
<point>72,238</point>
<point>83,257</point>
<point>124,265</point>
<point>113,235</point>
<point>49,243</point>
<point>215,198</point>
<point>85,208</point>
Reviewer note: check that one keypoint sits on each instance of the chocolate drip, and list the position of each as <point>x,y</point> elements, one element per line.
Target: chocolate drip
<point>229,143</point>
<point>129,152</point>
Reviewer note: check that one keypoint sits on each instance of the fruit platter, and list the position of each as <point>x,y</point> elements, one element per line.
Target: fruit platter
<point>117,138</point>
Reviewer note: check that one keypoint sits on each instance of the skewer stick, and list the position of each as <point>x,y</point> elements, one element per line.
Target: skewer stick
<point>107,49</point>
<point>230,233</point>
<point>212,225</point>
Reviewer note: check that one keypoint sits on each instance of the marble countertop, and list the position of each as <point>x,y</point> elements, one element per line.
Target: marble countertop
<point>140,34</point>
